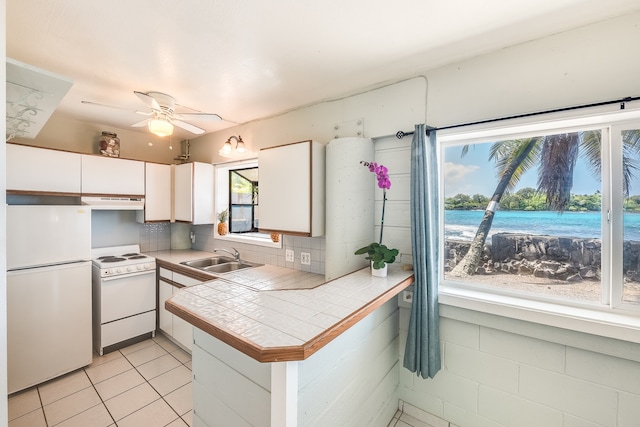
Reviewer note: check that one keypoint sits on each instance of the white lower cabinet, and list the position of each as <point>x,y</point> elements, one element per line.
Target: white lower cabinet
<point>177,329</point>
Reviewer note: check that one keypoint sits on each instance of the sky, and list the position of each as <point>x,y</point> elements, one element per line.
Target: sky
<point>475,174</point>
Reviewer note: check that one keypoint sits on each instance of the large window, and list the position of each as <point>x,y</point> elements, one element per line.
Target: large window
<point>550,214</point>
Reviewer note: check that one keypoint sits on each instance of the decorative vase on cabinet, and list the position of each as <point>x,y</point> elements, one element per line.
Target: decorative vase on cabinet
<point>109,144</point>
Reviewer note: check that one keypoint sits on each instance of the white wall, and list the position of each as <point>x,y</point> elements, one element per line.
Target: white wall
<point>63,133</point>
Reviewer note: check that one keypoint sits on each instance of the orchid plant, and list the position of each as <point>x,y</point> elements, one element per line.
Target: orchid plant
<point>378,253</point>
<point>382,175</point>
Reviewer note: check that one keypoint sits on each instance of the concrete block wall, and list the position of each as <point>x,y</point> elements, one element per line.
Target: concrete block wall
<point>495,377</point>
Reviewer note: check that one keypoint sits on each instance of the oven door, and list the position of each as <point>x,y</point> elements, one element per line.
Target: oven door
<point>127,295</point>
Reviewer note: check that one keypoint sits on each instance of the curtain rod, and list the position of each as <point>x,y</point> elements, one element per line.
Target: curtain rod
<point>400,134</point>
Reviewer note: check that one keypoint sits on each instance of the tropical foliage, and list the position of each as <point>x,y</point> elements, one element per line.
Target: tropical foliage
<point>528,199</point>
<point>555,158</point>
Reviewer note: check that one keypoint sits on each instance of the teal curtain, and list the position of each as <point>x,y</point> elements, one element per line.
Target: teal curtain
<point>422,352</point>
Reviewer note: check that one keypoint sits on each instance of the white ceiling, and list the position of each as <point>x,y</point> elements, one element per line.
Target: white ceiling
<point>249,59</point>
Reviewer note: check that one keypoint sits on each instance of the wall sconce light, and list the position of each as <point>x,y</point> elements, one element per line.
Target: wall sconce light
<point>240,148</point>
<point>160,127</point>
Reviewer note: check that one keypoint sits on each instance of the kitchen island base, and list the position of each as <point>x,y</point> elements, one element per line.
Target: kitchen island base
<point>350,381</point>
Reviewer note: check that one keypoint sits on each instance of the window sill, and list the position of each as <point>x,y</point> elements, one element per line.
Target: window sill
<point>251,240</point>
<point>619,325</point>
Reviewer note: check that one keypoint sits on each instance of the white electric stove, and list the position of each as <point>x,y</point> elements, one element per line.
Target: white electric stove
<point>124,295</point>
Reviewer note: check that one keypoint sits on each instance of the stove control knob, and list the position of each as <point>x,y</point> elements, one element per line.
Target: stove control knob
<point>129,269</point>
<point>139,267</point>
<point>118,270</point>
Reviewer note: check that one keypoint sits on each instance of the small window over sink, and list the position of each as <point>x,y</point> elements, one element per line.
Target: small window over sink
<point>237,194</point>
<point>243,200</point>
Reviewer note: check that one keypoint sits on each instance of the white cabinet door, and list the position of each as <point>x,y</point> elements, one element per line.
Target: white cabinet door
<point>193,193</point>
<point>41,170</point>
<point>157,196</point>
<point>292,188</point>
<point>165,290</point>
<point>178,329</point>
<point>112,176</point>
<point>183,332</point>
<point>183,192</point>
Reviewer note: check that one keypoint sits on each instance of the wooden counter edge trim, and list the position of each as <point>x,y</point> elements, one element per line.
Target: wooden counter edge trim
<point>330,334</point>
<point>261,354</point>
<point>289,353</point>
<point>187,271</point>
<point>41,193</point>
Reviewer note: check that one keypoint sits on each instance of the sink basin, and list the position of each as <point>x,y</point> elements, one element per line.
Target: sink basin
<point>229,267</point>
<point>208,262</point>
<point>219,264</point>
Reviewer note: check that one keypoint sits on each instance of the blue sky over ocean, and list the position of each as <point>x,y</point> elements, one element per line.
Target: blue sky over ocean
<point>475,174</point>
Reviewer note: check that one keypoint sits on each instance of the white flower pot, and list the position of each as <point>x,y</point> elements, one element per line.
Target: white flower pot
<point>379,272</point>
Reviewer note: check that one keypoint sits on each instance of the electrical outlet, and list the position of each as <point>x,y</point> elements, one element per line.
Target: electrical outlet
<point>305,258</point>
<point>290,255</point>
<point>407,296</point>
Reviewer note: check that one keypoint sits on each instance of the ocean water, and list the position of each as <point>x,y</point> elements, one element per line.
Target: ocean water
<point>462,225</point>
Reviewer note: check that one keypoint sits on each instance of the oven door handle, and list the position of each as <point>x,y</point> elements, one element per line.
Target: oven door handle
<point>125,275</point>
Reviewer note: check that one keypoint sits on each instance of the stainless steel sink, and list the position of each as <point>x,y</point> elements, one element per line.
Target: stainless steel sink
<point>229,267</point>
<point>219,264</point>
<point>207,262</point>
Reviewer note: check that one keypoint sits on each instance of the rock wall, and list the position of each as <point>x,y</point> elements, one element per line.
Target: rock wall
<point>560,258</point>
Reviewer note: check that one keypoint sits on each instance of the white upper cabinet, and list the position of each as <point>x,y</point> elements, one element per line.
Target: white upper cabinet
<point>193,193</point>
<point>292,189</point>
<point>112,176</point>
<point>157,194</point>
<point>38,170</point>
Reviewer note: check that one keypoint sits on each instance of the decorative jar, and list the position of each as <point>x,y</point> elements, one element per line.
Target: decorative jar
<point>109,144</point>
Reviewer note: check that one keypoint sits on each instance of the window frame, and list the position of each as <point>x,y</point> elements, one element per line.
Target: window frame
<point>616,319</point>
<point>253,205</point>
<point>221,189</point>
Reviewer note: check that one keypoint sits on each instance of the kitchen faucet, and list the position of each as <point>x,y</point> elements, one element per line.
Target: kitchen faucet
<point>235,252</point>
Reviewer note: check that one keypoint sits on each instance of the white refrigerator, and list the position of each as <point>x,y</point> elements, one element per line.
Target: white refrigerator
<point>48,292</point>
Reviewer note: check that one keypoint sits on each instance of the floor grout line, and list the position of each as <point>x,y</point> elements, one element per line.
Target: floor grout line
<point>102,401</point>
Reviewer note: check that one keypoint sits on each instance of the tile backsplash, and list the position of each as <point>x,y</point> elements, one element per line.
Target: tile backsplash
<point>315,246</point>
<point>115,228</point>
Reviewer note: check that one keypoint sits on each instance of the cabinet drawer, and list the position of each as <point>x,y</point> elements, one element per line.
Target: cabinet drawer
<point>185,280</point>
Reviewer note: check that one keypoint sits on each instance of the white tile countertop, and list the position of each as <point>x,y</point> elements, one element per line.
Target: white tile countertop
<point>267,315</point>
<point>264,277</point>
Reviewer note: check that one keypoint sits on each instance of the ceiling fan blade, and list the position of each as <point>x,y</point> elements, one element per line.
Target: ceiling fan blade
<point>140,124</point>
<point>187,126</point>
<point>209,117</point>
<point>148,100</point>
<point>104,105</point>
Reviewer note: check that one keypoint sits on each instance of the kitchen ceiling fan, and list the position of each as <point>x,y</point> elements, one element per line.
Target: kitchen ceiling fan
<point>162,116</point>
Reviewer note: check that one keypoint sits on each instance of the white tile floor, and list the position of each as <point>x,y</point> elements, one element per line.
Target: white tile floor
<point>146,384</point>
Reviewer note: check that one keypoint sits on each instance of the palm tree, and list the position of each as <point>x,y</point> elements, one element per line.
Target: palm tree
<point>556,156</point>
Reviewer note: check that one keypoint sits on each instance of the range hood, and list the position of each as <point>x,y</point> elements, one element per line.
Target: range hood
<point>114,203</point>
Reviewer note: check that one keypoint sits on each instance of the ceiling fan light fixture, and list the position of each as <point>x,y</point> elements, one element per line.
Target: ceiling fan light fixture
<point>160,127</point>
